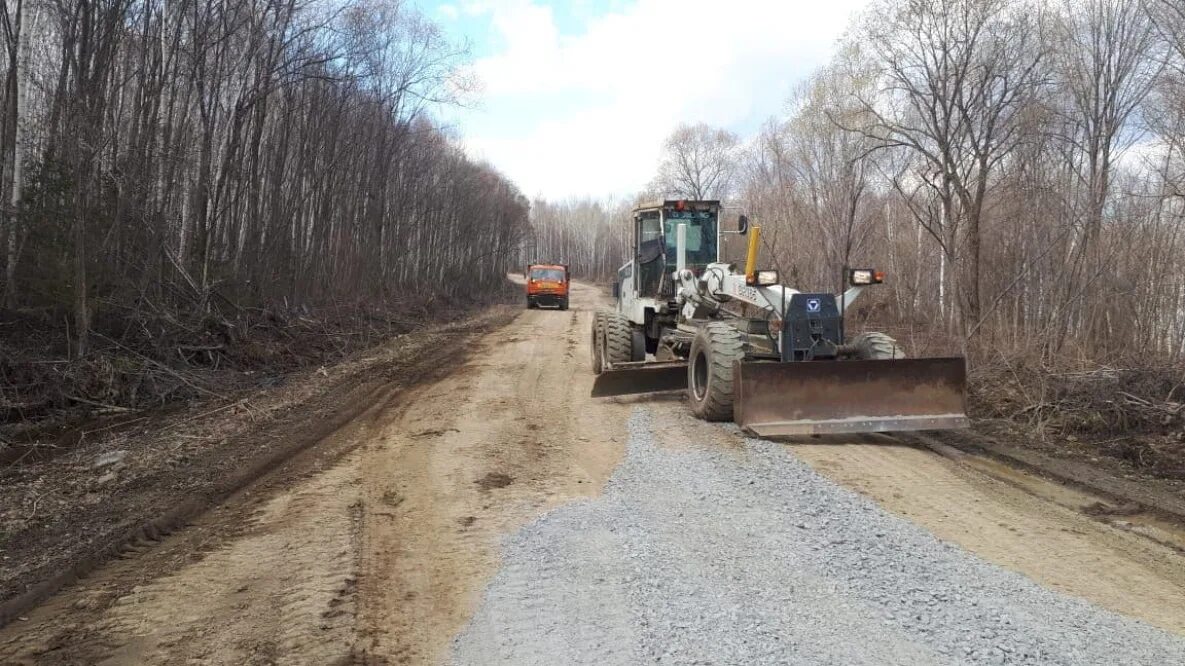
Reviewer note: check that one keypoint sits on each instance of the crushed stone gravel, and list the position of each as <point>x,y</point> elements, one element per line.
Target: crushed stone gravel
<point>704,556</point>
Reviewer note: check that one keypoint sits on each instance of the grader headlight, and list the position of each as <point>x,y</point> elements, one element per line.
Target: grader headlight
<point>860,277</point>
<point>766,278</point>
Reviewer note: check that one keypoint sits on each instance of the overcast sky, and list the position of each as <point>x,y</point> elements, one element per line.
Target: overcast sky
<point>578,96</point>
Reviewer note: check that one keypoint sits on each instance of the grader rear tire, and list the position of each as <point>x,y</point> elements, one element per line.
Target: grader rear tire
<point>618,347</point>
<point>716,347</point>
<point>637,344</point>
<point>876,346</point>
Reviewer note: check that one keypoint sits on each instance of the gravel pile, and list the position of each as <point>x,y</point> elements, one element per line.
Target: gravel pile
<point>709,556</point>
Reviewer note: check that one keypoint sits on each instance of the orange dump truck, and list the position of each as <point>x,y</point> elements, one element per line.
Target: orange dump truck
<point>547,284</point>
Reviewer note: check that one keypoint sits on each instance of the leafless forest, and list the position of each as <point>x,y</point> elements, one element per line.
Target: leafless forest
<point>177,174</point>
<point>1017,167</point>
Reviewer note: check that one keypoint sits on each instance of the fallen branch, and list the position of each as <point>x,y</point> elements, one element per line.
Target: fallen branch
<point>114,409</point>
<point>164,367</point>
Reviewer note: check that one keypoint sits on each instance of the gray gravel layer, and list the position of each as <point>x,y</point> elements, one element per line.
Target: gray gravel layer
<point>707,556</point>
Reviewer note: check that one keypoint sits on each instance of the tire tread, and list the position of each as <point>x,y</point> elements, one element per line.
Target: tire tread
<point>725,347</point>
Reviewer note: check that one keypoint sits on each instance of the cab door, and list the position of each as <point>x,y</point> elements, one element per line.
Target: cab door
<point>649,257</point>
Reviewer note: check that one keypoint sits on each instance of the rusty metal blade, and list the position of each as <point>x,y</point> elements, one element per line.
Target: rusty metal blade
<point>839,397</point>
<point>641,377</point>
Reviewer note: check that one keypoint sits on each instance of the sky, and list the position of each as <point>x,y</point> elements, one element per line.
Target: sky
<point>576,97</point>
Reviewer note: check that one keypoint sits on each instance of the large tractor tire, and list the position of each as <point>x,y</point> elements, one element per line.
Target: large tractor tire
<point>618,340</point>
<point>637,344</point>
<point>716,347</point>
<point>598,335</point>
<point>876,347</point>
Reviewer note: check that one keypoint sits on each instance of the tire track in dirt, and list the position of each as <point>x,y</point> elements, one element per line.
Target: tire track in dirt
<point>269,576</point>
<point>377,556</point>
<point>218,622</point>
<point>280,584</point>
<point>476,456</point>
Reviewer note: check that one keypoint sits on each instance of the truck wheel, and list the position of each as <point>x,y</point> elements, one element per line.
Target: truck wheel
<point>564,303</point>
<point>598,334</point>
<point>530,303</point>
<point>619,339</point>
<point>876,346</point>
<point>714,350</point>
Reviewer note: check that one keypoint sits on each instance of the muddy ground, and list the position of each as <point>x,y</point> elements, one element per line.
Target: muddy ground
<point>61,513</point>
<point>377,544</point>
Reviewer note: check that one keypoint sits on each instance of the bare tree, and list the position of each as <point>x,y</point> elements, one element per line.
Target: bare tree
<point>957,75</point>
<point>834,167</point>
<point>699,162</point>
<point>17,52</point>
<point>592,237</point>
<point>190,156</point>
<point>1107,63</point>
<point>1023,161</point>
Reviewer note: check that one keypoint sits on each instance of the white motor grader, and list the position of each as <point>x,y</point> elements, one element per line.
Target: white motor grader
<point>749,349</point>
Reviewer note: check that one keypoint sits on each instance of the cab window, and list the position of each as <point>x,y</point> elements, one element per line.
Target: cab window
<point>547,274</point>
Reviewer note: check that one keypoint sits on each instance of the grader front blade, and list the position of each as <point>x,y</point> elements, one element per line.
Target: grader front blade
<point>843,397</point>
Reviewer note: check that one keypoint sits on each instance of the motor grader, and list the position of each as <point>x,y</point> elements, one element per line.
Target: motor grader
<point>746,348</point>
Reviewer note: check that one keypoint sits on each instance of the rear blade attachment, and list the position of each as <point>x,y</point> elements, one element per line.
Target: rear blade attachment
<point>641,377</point>
<point>840,397</point>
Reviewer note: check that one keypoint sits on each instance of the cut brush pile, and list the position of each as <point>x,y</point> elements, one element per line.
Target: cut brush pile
<point>1133,415</point>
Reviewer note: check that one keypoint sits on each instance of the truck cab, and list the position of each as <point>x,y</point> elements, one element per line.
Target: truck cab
<point>547,285</point>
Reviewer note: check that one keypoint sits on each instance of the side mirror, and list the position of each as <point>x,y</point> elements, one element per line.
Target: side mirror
<point>616,290</point>
<point>743,225</point>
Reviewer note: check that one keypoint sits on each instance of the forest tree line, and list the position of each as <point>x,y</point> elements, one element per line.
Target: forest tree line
<point>169,157</point>
<point>1017,167</point>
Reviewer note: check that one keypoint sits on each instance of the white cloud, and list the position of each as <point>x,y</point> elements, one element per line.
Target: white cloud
<point>449,12</point>
<point>637,72</point>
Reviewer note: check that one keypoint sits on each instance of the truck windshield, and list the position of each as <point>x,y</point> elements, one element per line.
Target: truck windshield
<point>547,274</point>
<point>701,236</point>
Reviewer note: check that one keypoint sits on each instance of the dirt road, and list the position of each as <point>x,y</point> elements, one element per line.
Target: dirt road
<point>378,555</point>
<point>495,517</point>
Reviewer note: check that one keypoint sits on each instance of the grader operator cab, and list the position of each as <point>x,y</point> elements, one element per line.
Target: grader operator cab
<point>746,348</point>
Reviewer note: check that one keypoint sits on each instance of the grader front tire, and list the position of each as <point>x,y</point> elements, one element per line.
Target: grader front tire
<point>716,347</point>
<point>875,347</point>
<point>618,339</point>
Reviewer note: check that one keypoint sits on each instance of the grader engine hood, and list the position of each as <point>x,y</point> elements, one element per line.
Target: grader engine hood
<point>812,327</point>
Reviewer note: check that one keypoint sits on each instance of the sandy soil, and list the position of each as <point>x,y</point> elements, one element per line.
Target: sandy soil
<point>374,546</point>
<point>479,454</point>
<point>376,554</point>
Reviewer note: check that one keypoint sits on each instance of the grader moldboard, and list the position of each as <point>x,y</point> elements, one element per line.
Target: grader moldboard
<point>746,348</point>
